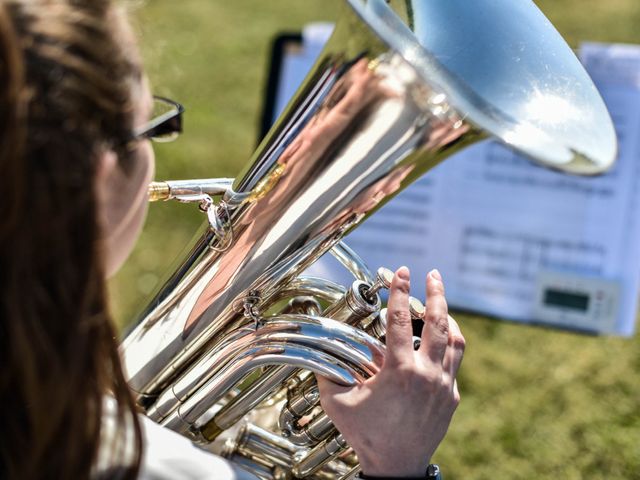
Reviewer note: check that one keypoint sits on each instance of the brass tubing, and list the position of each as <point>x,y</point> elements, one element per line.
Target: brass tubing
<point>353,306</point>
<point>248,399</point>
<point>303,305</point>
<point>318,288</point>
<point>186,190</point>
<point>268,382</point>
<point>352,474</point>
<point>255,442</point>
<point>351,261</point>
<point>270,457</point>
<point>257,468</point>
<point>319,456</point>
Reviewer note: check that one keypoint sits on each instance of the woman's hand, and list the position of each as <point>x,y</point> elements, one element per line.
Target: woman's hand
<point>395,420</point>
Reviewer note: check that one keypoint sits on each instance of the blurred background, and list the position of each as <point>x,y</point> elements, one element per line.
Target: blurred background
<point>537,403</point>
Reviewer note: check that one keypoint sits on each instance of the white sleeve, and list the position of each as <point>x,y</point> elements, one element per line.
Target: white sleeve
<point>169,456</point>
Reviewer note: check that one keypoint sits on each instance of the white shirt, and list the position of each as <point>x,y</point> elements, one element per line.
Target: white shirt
<point>166,454</point>
<point>170,456</point>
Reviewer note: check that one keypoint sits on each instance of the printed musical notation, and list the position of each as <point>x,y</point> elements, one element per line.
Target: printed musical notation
<point>509,236</point>
<point>491,263</point>
<point>502,166</point>
<point>503,231</point>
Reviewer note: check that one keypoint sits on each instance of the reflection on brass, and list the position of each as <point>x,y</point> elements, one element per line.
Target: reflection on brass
<point>373,64</point>
<point>210,431</point>
<point>266,184</point>
<point>382,106</point>
<point>416,308</point>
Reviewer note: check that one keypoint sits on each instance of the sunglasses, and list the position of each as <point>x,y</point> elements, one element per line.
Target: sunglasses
<point>166,121</point>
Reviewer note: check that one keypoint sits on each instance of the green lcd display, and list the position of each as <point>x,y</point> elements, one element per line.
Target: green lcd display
<point>559,298</point>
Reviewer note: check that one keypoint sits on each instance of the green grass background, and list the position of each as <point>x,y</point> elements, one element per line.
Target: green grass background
<point>536,403</point>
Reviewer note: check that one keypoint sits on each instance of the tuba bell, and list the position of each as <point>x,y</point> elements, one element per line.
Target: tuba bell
<point>225,351</point>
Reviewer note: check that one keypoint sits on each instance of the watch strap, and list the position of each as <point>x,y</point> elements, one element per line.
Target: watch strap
<point>432,473</point>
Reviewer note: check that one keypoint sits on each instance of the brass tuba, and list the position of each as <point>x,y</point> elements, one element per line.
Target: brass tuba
<point>226,347</point>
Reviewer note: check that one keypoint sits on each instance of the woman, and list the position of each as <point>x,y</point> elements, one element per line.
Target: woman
<point>75,160</point>
<point>69,104</point>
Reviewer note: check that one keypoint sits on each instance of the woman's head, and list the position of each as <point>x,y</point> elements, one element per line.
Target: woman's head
<point>71,96</point>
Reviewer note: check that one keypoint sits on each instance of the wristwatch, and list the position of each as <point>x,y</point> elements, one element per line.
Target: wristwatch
<point>433,473</point>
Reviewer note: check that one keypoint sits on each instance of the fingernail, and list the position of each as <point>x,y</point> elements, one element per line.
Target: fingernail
<point>403,273</point>
<point>436,274</point>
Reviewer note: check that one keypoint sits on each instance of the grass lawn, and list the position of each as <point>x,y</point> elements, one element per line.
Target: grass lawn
<point>537,403</point>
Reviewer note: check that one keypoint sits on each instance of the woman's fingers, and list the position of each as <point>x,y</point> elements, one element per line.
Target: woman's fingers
<point>455,349</point>
<point>328,388</point>
<point>435,333</point>
<point>399,330</point>
<point>333,397</point>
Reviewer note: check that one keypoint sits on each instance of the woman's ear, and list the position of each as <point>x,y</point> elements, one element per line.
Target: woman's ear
<point>121,203</point>
<point>109,203</point>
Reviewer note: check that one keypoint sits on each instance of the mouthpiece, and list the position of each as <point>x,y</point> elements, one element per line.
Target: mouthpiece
<point>159,191</point>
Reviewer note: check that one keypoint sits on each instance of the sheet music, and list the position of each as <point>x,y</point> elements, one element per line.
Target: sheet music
<point>520,242</point>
